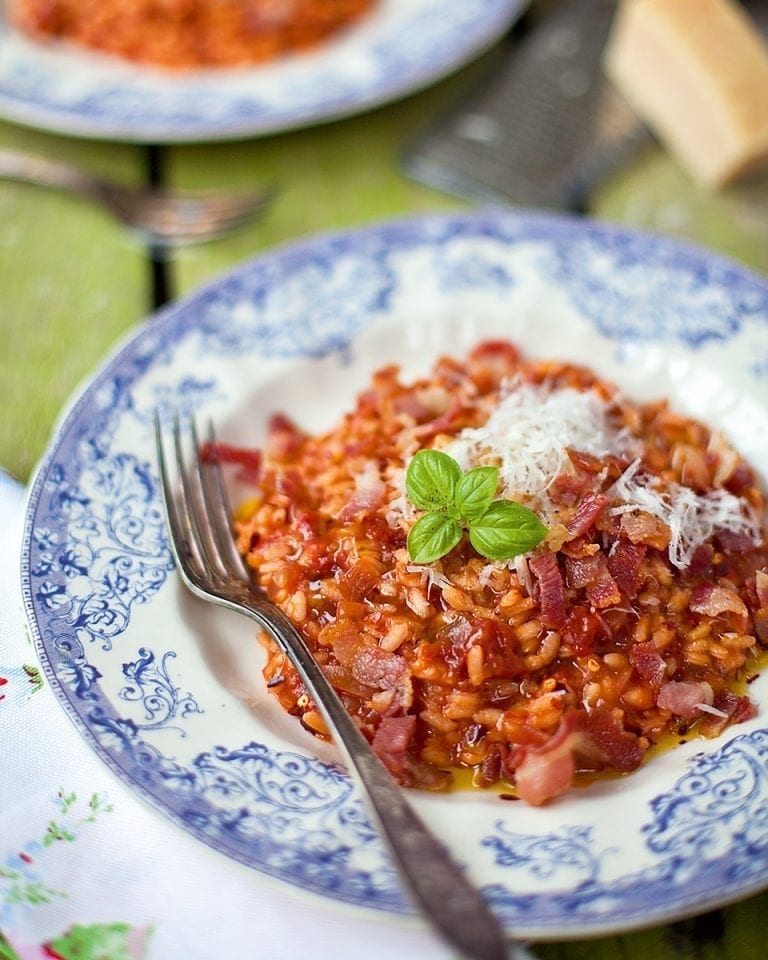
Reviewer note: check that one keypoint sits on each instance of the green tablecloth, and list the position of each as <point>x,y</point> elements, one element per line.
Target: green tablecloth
<point>73,281</point>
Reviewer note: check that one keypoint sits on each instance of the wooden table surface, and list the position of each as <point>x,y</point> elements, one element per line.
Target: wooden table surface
<point>73,281</point>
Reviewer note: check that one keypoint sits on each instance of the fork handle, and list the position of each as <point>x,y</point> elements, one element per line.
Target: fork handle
<point>30,168</point>
<point>454,906</point>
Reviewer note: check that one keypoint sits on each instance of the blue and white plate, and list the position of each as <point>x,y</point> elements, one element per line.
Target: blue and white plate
<point>168,690</point>
<point>402,46</point>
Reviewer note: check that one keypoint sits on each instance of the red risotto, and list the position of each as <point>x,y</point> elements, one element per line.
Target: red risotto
<point>637,619</point>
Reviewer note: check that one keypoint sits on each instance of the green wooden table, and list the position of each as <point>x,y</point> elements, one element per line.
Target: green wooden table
<point>73,282</point>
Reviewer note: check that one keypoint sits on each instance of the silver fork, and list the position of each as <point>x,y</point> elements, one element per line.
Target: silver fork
<point>164,217</point>
<point>201,536</point>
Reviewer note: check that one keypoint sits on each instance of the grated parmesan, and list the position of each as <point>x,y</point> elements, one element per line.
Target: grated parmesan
<point>529,432</point>
<point>707,708</point>
<point>429,575</point>
<point>692,518</point>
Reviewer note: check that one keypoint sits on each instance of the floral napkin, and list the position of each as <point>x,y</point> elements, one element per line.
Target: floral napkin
<point>90,872</point>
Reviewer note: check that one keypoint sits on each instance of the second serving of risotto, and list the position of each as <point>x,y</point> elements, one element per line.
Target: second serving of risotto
<point>631,610</point>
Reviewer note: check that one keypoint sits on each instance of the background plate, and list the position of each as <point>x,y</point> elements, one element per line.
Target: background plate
<point>402,46</point>
<point>168,690</point>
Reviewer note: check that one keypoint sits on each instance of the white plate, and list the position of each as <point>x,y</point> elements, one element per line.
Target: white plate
<point>168,690</point>
<point>402,46</point>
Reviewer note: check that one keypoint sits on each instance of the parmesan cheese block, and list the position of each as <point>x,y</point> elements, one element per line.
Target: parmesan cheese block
<point>696,71</point>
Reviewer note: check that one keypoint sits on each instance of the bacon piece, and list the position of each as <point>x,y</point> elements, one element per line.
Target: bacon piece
<point>441,424</point>
<point>683,697</point>
<point>691,464</point>
<point>367,497</point>
<point>545,774</point>
<point>644,528</point>
<point>568,488</point>
<point>581,571</point>
<point>585,461</point>
<point>284,437</point>
<point>761,588</point>
<point>551,589</point>
<point>620,748</point>
<point>581,630</point>
<point>650,665</point>
<point>376,668</point>
<point>594,740</point>
<point>624,565</point>
<point>713,601</point>
<point>586,514</point>
<point>701,561</point>
<point>360,580</point>
<point>761,626</point>
<point>392,740</point>
<point>740,480</point>
<point>734,709</point>
<point>733,542</point>
<point>592,573</point>
<point>250,459</point>
<point>343,638</point>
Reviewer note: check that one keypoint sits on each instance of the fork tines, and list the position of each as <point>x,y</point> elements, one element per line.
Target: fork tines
<point>197,508</point>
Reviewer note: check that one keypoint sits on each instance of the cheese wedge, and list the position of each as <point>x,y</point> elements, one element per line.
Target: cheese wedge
<point>696,71</point>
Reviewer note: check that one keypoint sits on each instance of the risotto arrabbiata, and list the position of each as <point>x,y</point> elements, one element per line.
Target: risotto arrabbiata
<point>631,610</point>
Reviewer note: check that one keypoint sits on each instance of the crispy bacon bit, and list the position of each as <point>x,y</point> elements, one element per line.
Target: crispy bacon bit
<point>441,424</point>
<point>733,542</point>
<point>714,600</point>
<point>376,668</point>
<point>701,561</point>
<point>620,748</point>
<point>568,488</point>
<point>360,580</point>
<point>545,773</point>
<point>595,739</point>
<point>551,591</point>
<point>585,461</point>
<point>683,698</point>
<point>592,573</point>
<point>761,588</point>
<point>740,480</point>
<point>644,528</point>
<point>284,437</point>
<point>649,664</point>
<point>367,497</point>
<point>248,458</point>
<point>731,708</point>
<point>581,630</point>
<point>624,562</point>
<point>586,514</point>
<point>392,740</point>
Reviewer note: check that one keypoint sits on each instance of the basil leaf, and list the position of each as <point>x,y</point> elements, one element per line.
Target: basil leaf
<point>432,536</point>
<point>431,479</point>
<point>505,530</point>
<point>475,492</point>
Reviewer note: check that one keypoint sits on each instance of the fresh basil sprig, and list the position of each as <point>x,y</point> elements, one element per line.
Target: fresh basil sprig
<point>455,502</point>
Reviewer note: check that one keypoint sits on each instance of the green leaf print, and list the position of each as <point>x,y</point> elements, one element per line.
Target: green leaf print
<point>101,941</point>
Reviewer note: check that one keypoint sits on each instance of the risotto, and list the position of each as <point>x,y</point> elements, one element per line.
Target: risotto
<point>634,614</point>
<point>188,33</point>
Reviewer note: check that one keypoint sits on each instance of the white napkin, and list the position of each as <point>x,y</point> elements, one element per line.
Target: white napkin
<point>86,865</point>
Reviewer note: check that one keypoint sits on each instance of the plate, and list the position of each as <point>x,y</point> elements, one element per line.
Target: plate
<point>167,689</point>
<point>402,46</point>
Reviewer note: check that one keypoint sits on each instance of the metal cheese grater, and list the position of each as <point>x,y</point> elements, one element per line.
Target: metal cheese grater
<point>543,128</point>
